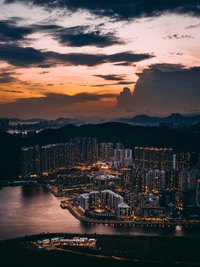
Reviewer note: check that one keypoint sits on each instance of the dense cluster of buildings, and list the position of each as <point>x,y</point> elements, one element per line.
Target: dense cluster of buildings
<point>49,158</point>
<point>111,203</point>
<point>151,181</point>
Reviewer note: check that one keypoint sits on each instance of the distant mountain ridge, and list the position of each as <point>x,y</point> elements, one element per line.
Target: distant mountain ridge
<point>174,118</point>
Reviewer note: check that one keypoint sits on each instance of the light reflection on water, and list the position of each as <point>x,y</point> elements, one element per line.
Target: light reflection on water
<point>26,210</point>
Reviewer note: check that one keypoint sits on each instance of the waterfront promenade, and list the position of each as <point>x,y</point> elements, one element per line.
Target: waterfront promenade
<point>76,212</point>
<point>79,214</point>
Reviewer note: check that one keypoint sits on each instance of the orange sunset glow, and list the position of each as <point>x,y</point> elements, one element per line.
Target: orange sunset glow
<point>84,58</point>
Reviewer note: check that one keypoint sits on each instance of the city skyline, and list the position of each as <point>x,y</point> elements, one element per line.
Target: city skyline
<point>68,58</point>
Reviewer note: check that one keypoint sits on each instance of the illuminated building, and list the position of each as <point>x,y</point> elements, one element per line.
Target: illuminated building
<point>126,178</point>
<point>45,158</point>
<point>104,180</point>
<point>89,150</point>
<point>186,160</point>
<point>69,152</point>
<point>155,180</point>
<point>27,161</point>
<point>189,179</point>
<point>119,157</point>
<point>106,151</point>
<point>166,197</point>
<point>152,212</point>
<point>107,198</point>
<point>119,146</point>
<point>111,199</point>
<point>123,210</point>
<point>37,160</point>
<point>77,149</point>
<point>60,159</point>
<point>139,180</point>
<point>117,199</point>
<point>95,150</point>
<point>188,198</point>
<point>84,201</point>
<point>153,157</point>
<point>94,199</point>
<point>172,179</point>
<point>84,150</point>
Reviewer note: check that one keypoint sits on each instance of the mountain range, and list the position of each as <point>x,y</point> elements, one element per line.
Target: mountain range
<point>174,118</point>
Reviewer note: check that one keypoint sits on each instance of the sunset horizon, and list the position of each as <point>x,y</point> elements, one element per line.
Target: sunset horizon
<point>78,58</point>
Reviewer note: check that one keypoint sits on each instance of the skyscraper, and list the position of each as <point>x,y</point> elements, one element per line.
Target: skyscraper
<point>27,161</point>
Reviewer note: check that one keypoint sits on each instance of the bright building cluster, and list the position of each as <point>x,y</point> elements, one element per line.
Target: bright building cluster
<point>144,182</point>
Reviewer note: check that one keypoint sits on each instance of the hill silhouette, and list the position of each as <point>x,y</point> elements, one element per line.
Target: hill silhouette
<point>195,127</point>
<point>114,132</point>
<point>174,118</point>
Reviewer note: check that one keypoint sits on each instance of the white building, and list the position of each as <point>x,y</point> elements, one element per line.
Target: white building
<point>123,210</point>
<point>84,201</point>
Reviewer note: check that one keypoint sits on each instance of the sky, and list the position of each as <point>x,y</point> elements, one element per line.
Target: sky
<point>107,58</point>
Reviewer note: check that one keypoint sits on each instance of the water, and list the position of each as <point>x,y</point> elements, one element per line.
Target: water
<point>26,210</point>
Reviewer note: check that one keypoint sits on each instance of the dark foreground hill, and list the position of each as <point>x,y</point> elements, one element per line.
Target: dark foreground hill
<point>128,135</point>
<point>111,250</point>
<point>195,127</point>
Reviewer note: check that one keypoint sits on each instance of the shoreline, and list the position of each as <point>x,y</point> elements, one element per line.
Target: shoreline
<point>130,223</point>
<point>144,250</point>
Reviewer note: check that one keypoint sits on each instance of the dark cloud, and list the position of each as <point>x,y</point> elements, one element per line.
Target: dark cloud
<point>126,64</point>
<point>30,57</point>
<point>79,36</point>
<point>50,103</point>
<point>43,72</point>
<point>125,83</point>
<point>50,84</point>
<point>122,10</point>
<point>108,84</point>
<point>25,83</point>
<point>111,77</point>
<point>9,32</point>
<point>89,39</point>
<point>7,75</point>
<point>192,26</point>
<point>177,36</point>
<point>11,91</point>
<point>128,57</point>
<point>166,67</point>
<point>21,56</point>
<point>76,36</point>
<point>163,88</point>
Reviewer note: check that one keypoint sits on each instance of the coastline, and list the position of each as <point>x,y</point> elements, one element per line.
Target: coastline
<point>130,223</point>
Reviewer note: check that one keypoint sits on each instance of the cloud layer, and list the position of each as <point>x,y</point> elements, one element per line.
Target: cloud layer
<point>31,57</point>
<point>162,89</point>
<point>121,10</point>
<point>48,105</point>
